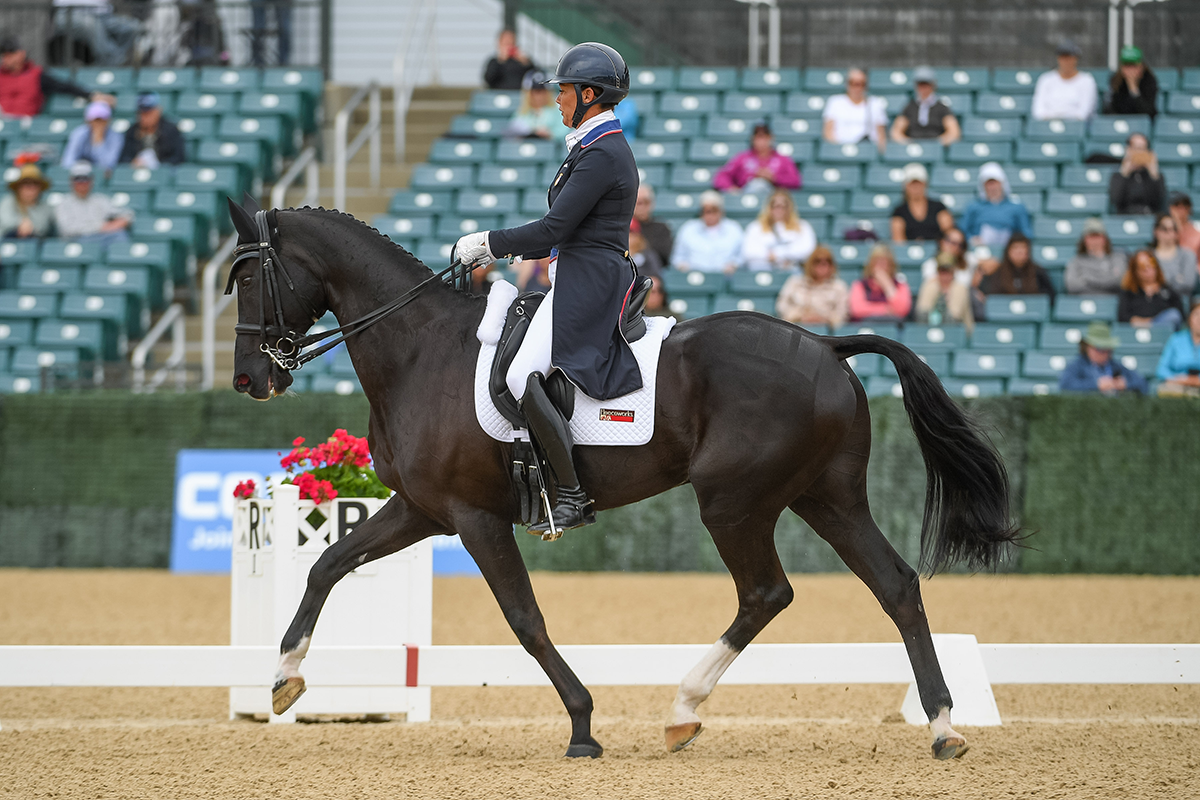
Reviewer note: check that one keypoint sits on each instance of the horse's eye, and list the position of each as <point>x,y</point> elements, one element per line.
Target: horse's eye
<point>246,281</point>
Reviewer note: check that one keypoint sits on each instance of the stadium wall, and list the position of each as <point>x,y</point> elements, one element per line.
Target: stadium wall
<point>87,480</point>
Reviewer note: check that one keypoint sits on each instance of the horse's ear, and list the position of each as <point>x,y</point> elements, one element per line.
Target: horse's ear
<point>243,222</point>
<point>250,204</point>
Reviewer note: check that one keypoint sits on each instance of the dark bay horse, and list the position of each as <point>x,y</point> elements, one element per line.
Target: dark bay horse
<point>757,414</point>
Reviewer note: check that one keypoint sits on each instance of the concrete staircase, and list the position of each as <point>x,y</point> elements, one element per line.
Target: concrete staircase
<point>430,112</point>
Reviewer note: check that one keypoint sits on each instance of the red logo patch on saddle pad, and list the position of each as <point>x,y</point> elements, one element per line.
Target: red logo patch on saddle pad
<point>615,415</point>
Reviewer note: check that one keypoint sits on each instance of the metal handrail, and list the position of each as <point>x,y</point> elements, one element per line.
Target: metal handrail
<point>306,161</point>
<point>342,152</point>
<point>174,319</point>
<point>406,68</point>
<point>210,308</point>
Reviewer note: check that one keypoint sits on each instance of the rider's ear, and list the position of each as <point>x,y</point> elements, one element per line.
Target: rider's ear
<point>243,222</point>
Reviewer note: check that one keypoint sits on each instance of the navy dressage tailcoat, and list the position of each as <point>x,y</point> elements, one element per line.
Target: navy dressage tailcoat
<point>591,205</point>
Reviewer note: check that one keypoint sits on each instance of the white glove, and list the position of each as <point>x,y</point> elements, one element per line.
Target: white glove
<point>473,250</point>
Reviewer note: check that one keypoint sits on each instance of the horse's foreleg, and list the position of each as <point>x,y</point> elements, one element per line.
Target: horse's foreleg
<point>748,549</point>
<point>393,528</point>
<point>490,542</point>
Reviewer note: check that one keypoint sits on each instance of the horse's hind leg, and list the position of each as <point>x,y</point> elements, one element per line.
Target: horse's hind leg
<point>393,528</point>
<point>748,549</point>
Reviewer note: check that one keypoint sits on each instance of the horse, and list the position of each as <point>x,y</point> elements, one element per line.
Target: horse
<point>759,415</point>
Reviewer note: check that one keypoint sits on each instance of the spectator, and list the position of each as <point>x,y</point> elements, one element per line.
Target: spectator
<point>642,254</point>
<point>1178,263</point>
<point>816,296</point>
<point>1138,187</point>
<point>1017,273</point>
<point>1133,89</point>
<point>24,85</point>
<point>92,23</point>
<point>656,232</point>
<point>507,68</point>
<point>1146,298</point>
<point>23,215</point>
<point>778,239</point>
<point>854,116</point>
<point>537,116</point>
<point>88,216</point>
<point>657,304</point>
<point>533,275</point>
<point>1094,370</point>
<point>153,140</point>
<point>1065,93</point>
<point>94,141</point>
<point>711,243</point>
<point>966,263</point>
<point>1095,268</point>
<point>1181,212</point>
<point>994,217</point>
<point>926,116</point>
<point>761,169</point>
<point>917,217</point>
<point>1179,365</point>
<point>282,11</point>
<point>627,114</point>
<point>879,294</point>
<point>944,300</point>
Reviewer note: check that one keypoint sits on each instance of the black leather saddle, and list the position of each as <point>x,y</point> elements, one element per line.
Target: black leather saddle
<point>560,390</point>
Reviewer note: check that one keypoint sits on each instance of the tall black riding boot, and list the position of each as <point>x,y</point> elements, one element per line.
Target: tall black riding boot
<point>572,508</point>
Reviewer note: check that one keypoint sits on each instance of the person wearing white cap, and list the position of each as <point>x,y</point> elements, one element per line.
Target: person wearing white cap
<point>919,218</point>
<point>95,140</point>
<point>994,217</point>
<point>85,215</point>
<point>1065,93</point>
<point>712,243</point>
<point>926,116</point>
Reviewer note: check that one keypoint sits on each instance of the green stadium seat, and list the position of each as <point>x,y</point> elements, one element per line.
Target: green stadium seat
<point>36,278</point>
<point>934,357</point>
<point>954,79</point>
<point>889,79</point>
<point>494,103</point>
<point>1061,338</point>
<point>741,103</point>
<point>197,128</point>
<point>882,386</point>
<point>1141,341</point>
<point>409,202</point>
<point>1064,231</point>
<point>802,104</point>
<point>888,330</point>
<point>690,307</point>
<point>861,153</point>
<point>659,152</point>
<point>226,180</point>
<point>1061,202</point>
<point>275,133</point>
<point>1038,152</point>
<point>259,104</point>
<point>990,104</point>
<point>718,126</point>
<point>1190,82</point>
<point>1117,129</point>
<point>660,128</point>
<point>128,178</point>
<point>914,254</point>
<point>710,152</point>
<point>824,80</point>
<point>655,79</point>
<point>473,203</point>
<point>973,364</point>
<point>760,283</point>
<point>1085,308</point>
<point>530,152</point>
<point>1131,231</point>
<point>1018,308</point>
<point>50,129</point>
<point>975,153</point>
<point>110,80</point>
<point>251,155</point>
<point>403,228</point>
<point>792,128</point>
<point>207,206</point>
<point>990,129</point>
<point>865,364</point>
<point>19,251</point>
<point>927,151</point>
<point>678,204</point>
<point>763,80</point>
<point>1026,386</point>
<point>224,79</point>
<point>166,80</point>
<point>879,224</point>
<point>814,202</point>
<point>458,151</point>
<point>1014,81</point>
<point>681,104</point>
<point>140,282</point>
<point>335,384</point>
<point>160,255</point>
<point>1055,130</point>
<point>65,105</point>
<point>1177,152</point>
<point>65,251</point>
<point>652,174</point>
<point>1175,174</point>
<point>31,361</point>
<point>452,227</point>
<point>521,176</point>
<point>1177,129</point>
<point>1087,177</point>
<point>1053,256</point>
<point>1145,363</point>
<point>15,331</point>
<point>934,338</point>
<point>1048,364</point>
<point>16,384</point>
<point>125,312</point>
<point>433,253</point>
<point>429,176</point>
<point>307,81</point>
<point>797,151</point>
<point>533,203</point>
<point>707,79</point>
<point>468,125</point>
<point>895,103</point>
<point>844,177</point>
<point>1027,178</point>
<point>1183,103</point>
<point>205,104</point>
<point>1002,337</point>
<point>136,201</point>
<point>871,203</point>
<point>694,283</point>
<point>850,256</point>
<point>730,302</point>
<point>88,336</point>
<point>880,177</point>
<point>691,177</point>
<point>956,202</point>
<point>517,219</point>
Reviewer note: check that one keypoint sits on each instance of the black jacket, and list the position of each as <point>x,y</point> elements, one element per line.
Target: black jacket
<point>168,143</point>
<point>1137,194</point>
<point>1139,304</point>
<point>591,206</point>
<point>505,74</point>
<point>1120,101</point>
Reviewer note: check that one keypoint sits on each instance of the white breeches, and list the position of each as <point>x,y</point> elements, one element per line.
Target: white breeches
<point>534,352</point>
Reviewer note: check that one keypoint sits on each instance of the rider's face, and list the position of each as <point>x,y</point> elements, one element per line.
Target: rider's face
<point>566,102</point>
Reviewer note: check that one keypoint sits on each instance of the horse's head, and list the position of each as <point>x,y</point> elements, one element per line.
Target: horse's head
<point>278,300</point>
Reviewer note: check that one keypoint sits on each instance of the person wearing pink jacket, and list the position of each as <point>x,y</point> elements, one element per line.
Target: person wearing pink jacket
<point>759,169</point>
<point>879,294</point>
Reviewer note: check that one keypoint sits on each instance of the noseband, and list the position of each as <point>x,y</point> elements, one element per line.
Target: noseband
<point>286,352</point>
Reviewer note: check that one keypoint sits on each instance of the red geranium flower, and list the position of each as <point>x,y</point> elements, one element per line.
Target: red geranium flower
<point>244,489</point>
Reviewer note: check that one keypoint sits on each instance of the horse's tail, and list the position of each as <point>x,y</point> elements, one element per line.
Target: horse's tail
<point>967,492</point>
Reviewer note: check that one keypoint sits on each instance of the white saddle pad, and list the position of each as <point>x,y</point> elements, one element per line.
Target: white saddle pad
<point>626,420</point>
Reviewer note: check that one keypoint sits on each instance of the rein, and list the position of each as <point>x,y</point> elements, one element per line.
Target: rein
<point>286,352</point>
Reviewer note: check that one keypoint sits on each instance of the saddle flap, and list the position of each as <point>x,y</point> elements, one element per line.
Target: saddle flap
<point>516,323</point>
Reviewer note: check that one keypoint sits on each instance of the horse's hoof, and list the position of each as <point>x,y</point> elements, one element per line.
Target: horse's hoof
<point>680,736</point>
<point>950,747</point>
<point>589,749</point>
<point>285,693</point>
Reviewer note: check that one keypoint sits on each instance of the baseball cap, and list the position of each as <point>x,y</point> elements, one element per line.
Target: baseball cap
<point>80,169</point>
<point>925,75</point>
<point>1094,225</point>
<point>915,172</point>
<point>1131,55</point>
<point>148,100</point>
<point>1067,47</point>
<point>98,110</point>
<point>9,44</point>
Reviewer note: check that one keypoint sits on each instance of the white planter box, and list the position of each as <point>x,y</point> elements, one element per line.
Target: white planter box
<point>384,602</point>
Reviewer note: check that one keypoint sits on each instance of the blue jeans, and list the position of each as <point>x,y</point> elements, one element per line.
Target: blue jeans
<point>1171,317</point>
<point>283,22</point>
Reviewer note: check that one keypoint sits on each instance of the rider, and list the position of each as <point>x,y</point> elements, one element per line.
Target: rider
<point>577,327</point>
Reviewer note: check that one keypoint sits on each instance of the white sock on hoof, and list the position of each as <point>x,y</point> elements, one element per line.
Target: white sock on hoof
<point>698,684</point>
<point>289,662</point>
<point>940,725</point>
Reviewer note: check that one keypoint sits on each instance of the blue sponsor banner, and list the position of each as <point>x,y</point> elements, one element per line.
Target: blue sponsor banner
<point>202,530</point>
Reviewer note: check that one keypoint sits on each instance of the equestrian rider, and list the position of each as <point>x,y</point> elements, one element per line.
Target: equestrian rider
<point>577,327</point>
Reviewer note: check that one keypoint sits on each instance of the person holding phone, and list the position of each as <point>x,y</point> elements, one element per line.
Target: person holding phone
<point>1138,186</point>
<point>506,69</point>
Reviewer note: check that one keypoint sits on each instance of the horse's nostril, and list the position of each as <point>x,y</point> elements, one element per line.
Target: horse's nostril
<point>241,382</point>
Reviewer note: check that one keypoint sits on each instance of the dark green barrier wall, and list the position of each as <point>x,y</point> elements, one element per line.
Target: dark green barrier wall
<point>1110,485</point>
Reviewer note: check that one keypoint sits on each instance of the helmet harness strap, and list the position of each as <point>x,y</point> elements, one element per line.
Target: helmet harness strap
<point>581,107</point>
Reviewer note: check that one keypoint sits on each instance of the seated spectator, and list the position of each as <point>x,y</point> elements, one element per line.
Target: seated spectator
<point>879,294</point>
<point>1181,212</point>
<point>854,116</point>
<point>1178,263</point>
<point>918,218</point>
<point>778,239</point>
<point>23,214</point>
<point>536,116</point>
<point>816,296</point>
<point>1095,370</point>
<point>1133,89</point>
<point>89,216</point>
<point>1179,365</point>
<point>533,275</point>
<point>629,117</point>
<point>507,68</point>
<point>656,232</point>
<point>943,300</point>
<point>1095,268</point>
<point>93,24</point>
<point>761,169</point>
<point>711,243</point>
<point>926,116</point>
<point>94,141</point>
<point>1146,298</point>
<point>154,140</point>
<point>1138,187</point>
<point>1065,93</point>
<point>24,85</point>
<point>657,304</point>
<point>641,253</point>
<point>1017,273</point>
<point>994,217</point>
<point>966,263</point>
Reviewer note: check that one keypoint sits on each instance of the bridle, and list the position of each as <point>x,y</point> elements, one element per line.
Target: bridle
<point>288,349</point>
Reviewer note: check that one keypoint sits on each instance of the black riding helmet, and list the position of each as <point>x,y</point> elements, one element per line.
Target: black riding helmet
<point>596,65</point>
